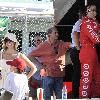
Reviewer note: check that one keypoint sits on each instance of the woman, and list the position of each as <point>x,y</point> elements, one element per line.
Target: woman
<point>14,83</point>
<point>89,36</point>
<point>10,52</point>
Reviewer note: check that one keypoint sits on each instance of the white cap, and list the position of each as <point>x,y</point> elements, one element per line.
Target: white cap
<point>12,37</point>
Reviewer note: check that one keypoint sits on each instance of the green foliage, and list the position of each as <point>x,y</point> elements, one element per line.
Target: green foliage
<point>3,25</point>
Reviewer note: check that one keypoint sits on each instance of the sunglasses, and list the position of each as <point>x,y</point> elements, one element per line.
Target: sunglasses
<point>37,40</point>
<point>94,10</point>
<point>7,40</point>
<point>56,32</point>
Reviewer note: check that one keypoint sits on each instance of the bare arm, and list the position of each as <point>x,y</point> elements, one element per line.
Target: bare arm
<point>29,64</point>
<point>76,39</point>
<point>27,96</point>
<point>42,67</point>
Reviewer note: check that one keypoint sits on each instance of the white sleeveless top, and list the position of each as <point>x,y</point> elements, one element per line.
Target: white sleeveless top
<point>5,69</point>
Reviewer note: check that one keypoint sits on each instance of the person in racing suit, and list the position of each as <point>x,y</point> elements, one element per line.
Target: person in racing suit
<point>90,67</point>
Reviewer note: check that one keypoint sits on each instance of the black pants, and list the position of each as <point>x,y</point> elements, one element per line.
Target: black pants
<point>76,75</point>
<point>98,51</point>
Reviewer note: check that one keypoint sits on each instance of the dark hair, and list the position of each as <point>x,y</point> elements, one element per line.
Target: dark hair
<point>80,13</point>
<point>37,34</point>
<point>50,30</point>
<point>19,71</point>
<point>87,7</point>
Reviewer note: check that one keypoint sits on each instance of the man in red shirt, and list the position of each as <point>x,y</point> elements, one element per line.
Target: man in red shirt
<point>51,53</point>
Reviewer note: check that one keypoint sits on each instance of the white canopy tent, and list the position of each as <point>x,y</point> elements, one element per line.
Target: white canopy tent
<point>32,9</point>
<point>27,16</point>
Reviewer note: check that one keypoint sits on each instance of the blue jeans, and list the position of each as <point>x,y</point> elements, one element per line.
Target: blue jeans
<point>51,84</point>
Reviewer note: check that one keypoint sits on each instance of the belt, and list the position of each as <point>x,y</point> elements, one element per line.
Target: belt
<point>88,46</point>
